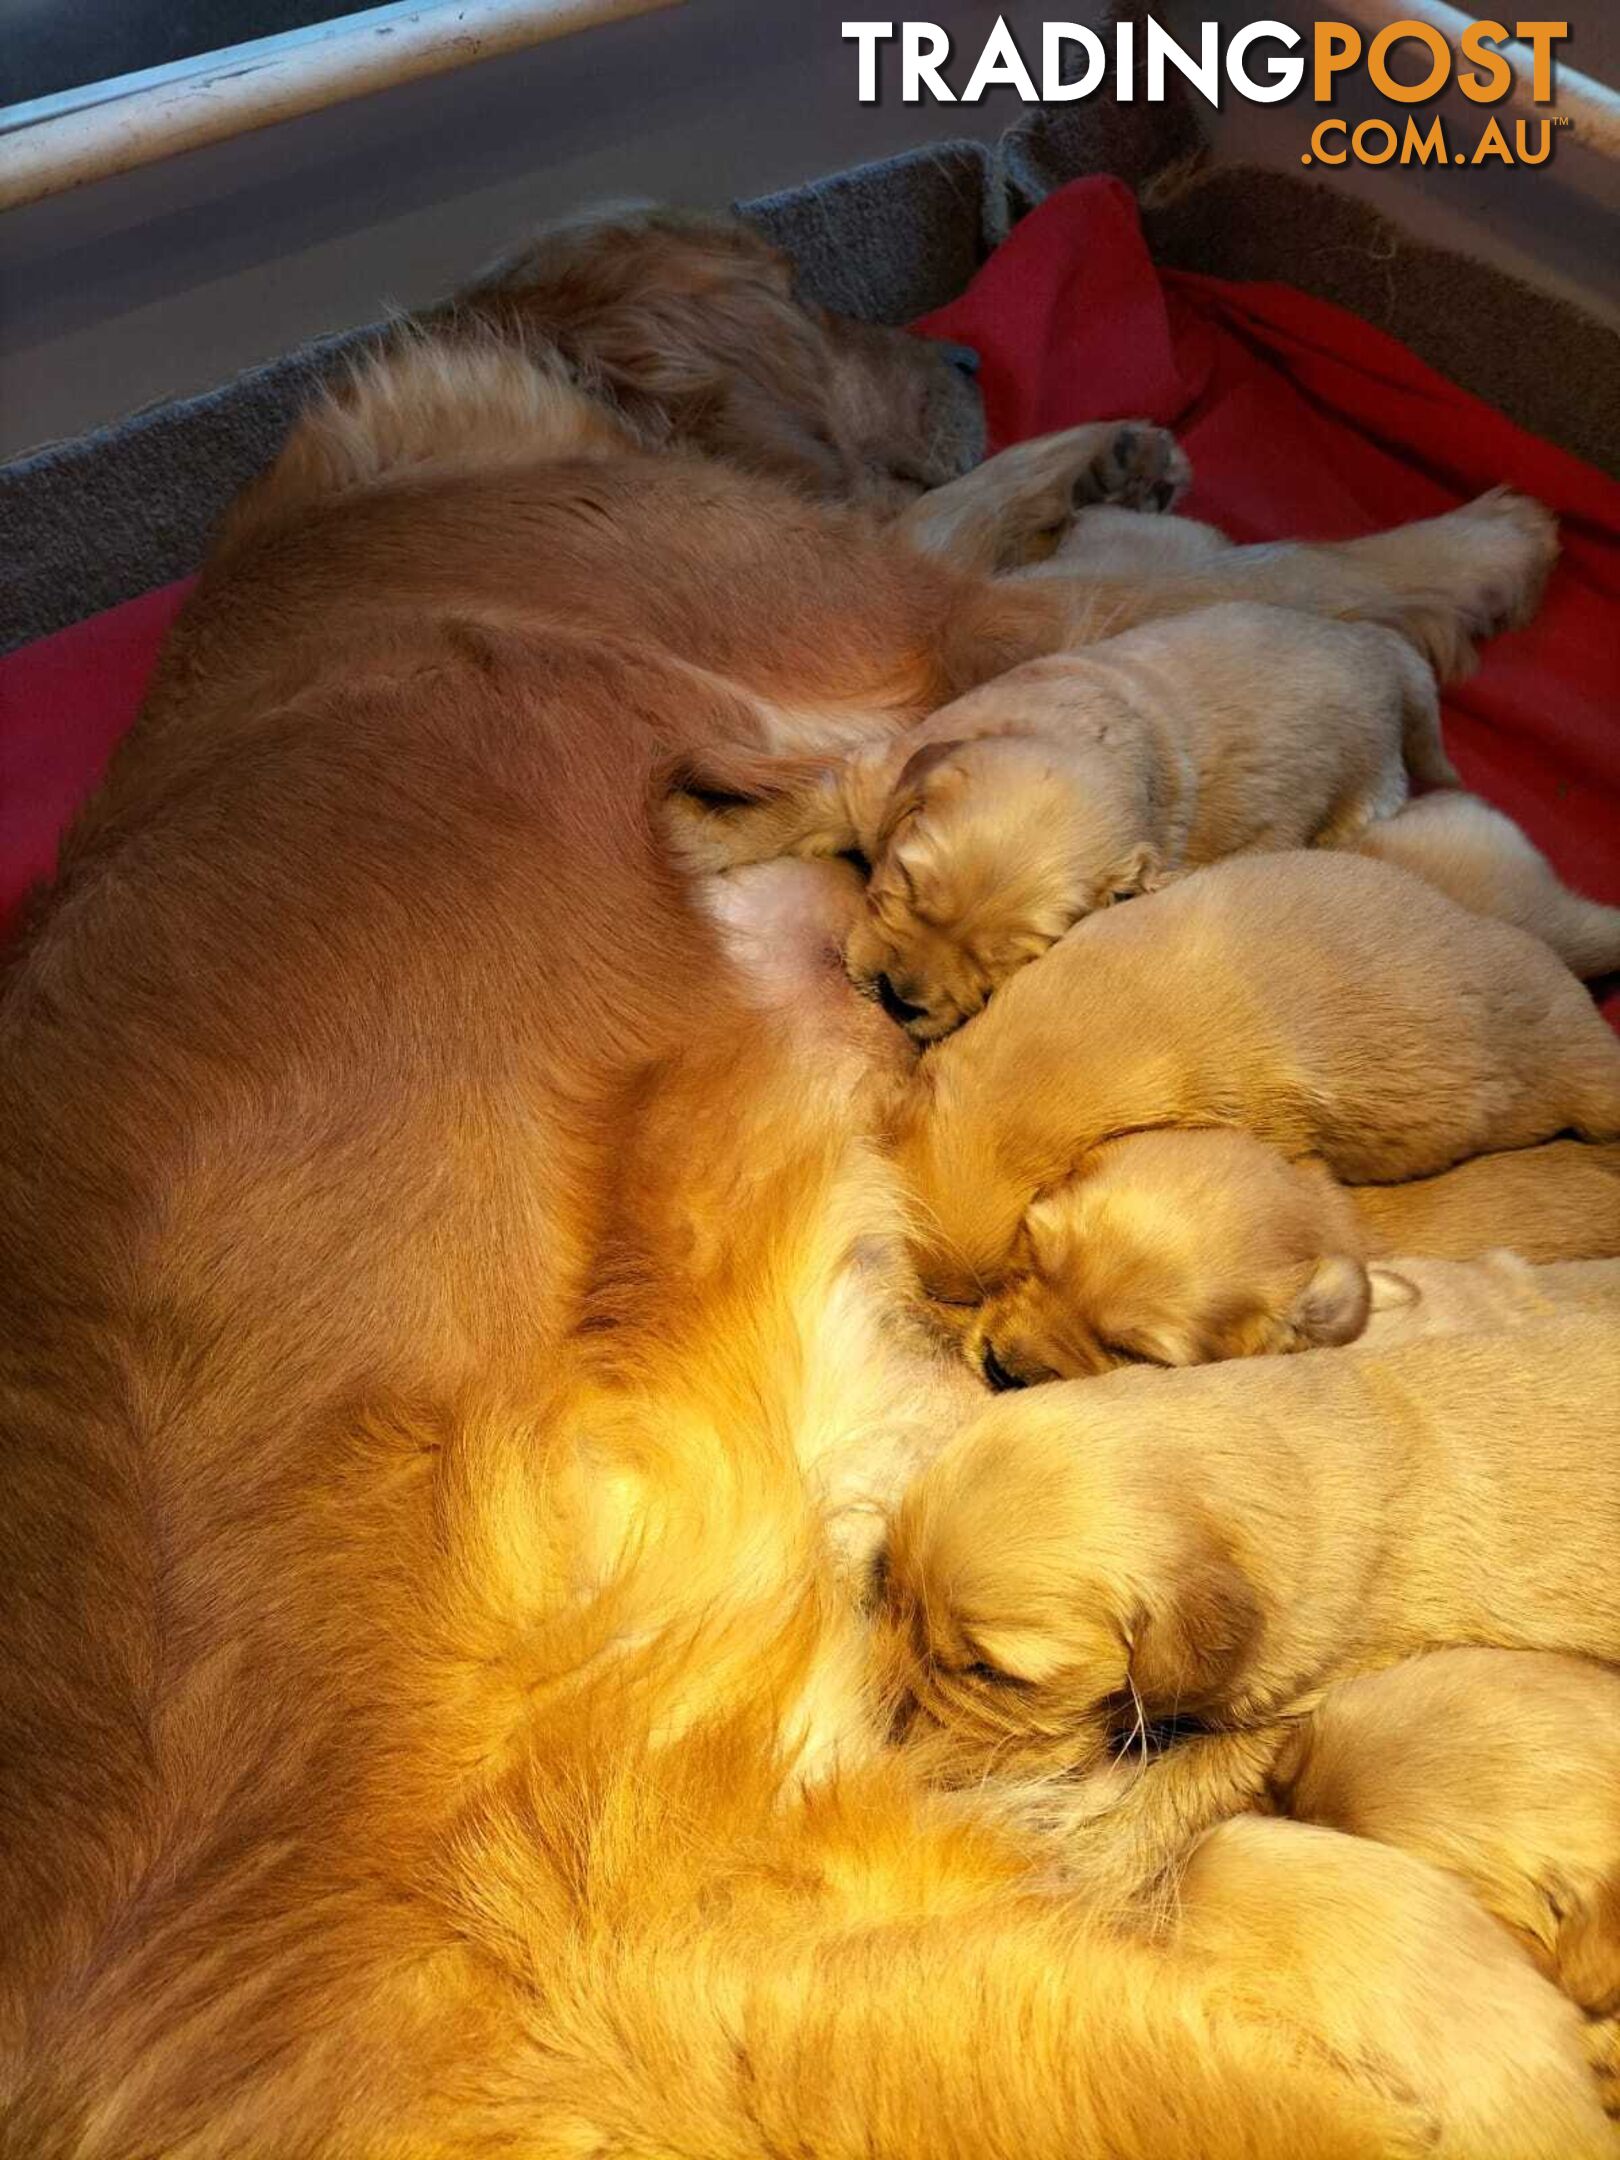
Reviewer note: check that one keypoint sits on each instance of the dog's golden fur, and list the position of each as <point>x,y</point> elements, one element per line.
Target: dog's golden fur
<point>1079,780</point>
<point>449,1308</point>
<point>1384,1029</point>
<point>1482,859</point>
<point>1560,1201</point>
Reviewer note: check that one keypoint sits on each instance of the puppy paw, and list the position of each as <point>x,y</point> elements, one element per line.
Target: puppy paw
<point>1138,467</point>
<point>1506,545</point>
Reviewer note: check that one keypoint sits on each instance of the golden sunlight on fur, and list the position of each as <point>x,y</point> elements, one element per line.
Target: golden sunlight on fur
<point>1335,1006</point>
<point>1220,1545</point>
<point>458,1357</point>
<point>1175,1248</point>
<point>1502,1766</point>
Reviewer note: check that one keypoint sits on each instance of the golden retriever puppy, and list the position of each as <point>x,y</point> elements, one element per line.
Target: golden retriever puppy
<point>1183,1247</point>
<point>1481,858</point>
<point>1334,1006</point>
<point>1219,1546</point>
<point>1503,1766</point>
<point>1174,1248</point>
<point>1559,1201</point>
<point>1073,782</point>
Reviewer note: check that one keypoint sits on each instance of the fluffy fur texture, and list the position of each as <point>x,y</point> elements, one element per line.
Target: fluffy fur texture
<point>452,1317</point>
<point>691,327</point>
<point>1073,782</point>
<point>1560,1201</point>
<point>1482,859</point>
<point>1333,1006</point>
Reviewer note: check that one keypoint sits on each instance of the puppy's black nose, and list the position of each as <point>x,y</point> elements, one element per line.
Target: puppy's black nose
<point>997,1374</point>
<point>895,1005</point>
<point>962,357</point>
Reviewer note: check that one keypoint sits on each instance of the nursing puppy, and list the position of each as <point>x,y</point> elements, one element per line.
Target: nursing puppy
<point>1078,780</point>
<point>1183,1247</point>
<point>1334,1006</point>
<point>1218,1547</point>
<point>1071,783</point>
<point>1501,1765</point>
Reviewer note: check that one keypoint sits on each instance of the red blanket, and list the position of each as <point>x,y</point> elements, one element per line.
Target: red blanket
<point>1300,420</point>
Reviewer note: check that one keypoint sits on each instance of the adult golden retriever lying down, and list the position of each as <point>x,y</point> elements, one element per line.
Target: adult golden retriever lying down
<point>452,1340</point>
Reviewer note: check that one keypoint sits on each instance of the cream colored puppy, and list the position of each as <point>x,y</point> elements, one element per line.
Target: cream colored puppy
<point>1334,1006</point>
<point>1503,1766</point>
<point>1222,1545</point>
<point>1079,781</point>
<point>1183,1247</point>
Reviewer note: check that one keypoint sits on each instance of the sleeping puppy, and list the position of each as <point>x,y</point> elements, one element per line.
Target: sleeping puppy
<point>1078,780</point>
<point>1216,1548</point>
<point>1332,1005</point>
<point>1503,1766</point>
<point>1074,782</point>
<point>1184,1247</point>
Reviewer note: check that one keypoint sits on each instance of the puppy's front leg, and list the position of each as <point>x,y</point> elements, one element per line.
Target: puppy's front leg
<point>1017,507</point>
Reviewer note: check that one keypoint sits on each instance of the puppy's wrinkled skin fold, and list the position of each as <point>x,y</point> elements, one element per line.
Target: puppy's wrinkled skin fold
<point>1332,1005</point>
<point>1219,1546</point>
<point>452,1314</point>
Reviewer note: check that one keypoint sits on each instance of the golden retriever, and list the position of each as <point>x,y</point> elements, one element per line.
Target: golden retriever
<point>449,1305</point>
<point>1481,858</point>
<point>1333,1005</point>
<point>1560,1201</point>
<point>1180,1247</point>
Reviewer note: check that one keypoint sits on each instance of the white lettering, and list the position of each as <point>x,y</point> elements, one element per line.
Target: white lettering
<point>1204,73</point>
<point>866,36</point>
<point>1285,75</point>
<point>918,67</point>
<point>1054,36</point>
<point>1001,62</point>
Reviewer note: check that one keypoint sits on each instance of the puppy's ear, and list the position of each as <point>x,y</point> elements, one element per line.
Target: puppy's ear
<point>910,788</point>
<point>1186,1653</point>
<point>1391,1292</point>
<point>1334,1304</point>
<point>1139,871</point>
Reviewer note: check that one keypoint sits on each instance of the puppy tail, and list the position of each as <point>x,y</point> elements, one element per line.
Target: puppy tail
<point>1421,743</point>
